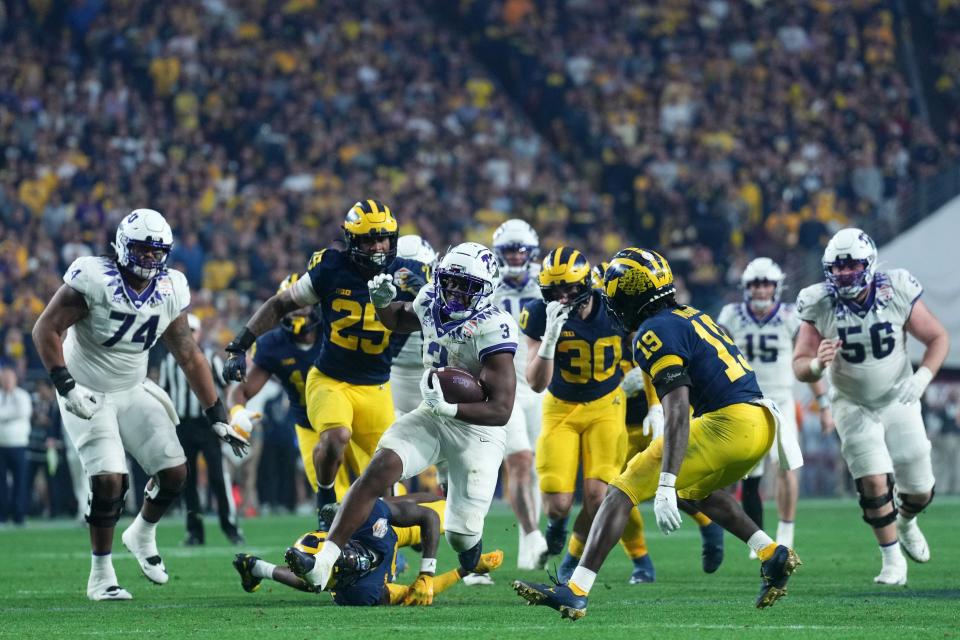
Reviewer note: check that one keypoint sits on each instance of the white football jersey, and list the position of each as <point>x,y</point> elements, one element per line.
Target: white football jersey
<point>463,343</point>
<point>767,344</point>
<point>107,350</point>
<point>873,358</point>
<point>512,300</point>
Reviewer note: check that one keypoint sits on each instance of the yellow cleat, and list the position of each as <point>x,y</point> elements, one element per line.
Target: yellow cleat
<point>489,562</point>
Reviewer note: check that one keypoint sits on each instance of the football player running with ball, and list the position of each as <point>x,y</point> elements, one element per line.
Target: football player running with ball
<point>112,310</point>
<point>693,364</point>
<point>764,330</point>
<point>461,328</point>
<point>855,325</point>
<point>349,404</point>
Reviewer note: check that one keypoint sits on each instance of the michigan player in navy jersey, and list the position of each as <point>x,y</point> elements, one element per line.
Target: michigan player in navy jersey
<point>694,364</point>
<point>574,352</point>
<point>286,352</point>
<point>347,388</point>
<point>364,573</point>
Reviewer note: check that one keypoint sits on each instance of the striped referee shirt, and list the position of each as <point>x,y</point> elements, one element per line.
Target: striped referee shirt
<point>173,381</point>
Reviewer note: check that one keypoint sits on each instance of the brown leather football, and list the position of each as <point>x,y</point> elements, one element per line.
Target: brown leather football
<point>459,385</point>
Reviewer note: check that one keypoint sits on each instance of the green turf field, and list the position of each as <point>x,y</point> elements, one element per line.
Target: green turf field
<point>44,572</point>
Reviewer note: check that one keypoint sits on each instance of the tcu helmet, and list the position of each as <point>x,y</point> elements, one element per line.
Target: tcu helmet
<point>301,321</point>
<point>762,270</point>
<point>139,235</point>
<point>516,235</point>
<point>566,266</point>
<point>635,279</point>
<point>365,220</point>
<point>466,278</point>
<point>847,248</point>
<point>416,248</point>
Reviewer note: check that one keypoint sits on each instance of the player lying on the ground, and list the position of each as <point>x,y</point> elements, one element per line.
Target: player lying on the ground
<point>364,572</point>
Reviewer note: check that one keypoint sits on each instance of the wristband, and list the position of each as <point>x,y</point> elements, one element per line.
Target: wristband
<point>217,413</point>
<point>547,350</point>
<point>62,380</point>
<point>428,565</point>
<point>816,367</point>
<point>242,342</point>
<point>668,480</point>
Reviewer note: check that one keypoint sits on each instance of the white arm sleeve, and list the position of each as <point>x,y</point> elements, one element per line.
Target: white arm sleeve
<point>302,291</point>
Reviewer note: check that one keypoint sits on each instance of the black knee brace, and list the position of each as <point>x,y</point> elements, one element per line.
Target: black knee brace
<point>470,558</point>
<point>876,502</point>
<point>156,493</point>
<point>104,510</point>
<point>913,509</point>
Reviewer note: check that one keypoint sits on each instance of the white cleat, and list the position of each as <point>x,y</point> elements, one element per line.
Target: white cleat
<point>912,540</point>
<point>752,555</point>
<point>147,557</point>
<point>106,591</point>
<point>477,579</point>
<point>892,574</point>
<point>530,553</point>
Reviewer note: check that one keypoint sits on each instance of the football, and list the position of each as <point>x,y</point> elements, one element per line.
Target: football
<point>459,385</point>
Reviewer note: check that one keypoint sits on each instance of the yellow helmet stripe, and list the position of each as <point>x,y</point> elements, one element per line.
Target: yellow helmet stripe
<point>373,206</point>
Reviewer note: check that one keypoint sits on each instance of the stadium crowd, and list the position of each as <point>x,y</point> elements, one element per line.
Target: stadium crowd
<point>713,130</point>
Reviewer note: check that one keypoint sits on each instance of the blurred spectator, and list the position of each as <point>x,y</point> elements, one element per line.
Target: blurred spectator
<point>15,410</point>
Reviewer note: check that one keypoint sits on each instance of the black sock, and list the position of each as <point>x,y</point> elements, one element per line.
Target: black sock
<point>325,495</point>
<point>750,497</point>
<point>470,558</point>
<point>556,534</point>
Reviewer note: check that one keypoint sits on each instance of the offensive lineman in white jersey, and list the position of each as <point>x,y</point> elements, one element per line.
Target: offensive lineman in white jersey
<point>462,328</point>
<point>112,311</point>
<point>855,324</point>
<point>407,367</point>
<point>764,328</point>
<point>517,248</point>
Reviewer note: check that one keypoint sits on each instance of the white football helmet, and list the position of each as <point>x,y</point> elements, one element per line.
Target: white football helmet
<point>516,235</point>
<point>141,235</point>
<point>762,270</point>
<point>850,246</point>
<point>465,280</point>
<point>413,247</point>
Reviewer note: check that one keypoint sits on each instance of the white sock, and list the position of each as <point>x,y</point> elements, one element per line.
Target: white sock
<point>102,566</point>
<point>905,523</point>
<point>583,578</point>
<point>326,486</point>
<point>327,557</point>
<point>891,553</point>
<point>759,541</point>
<point>144,530</point>
<point>785,533</point>
<point>263,569</point>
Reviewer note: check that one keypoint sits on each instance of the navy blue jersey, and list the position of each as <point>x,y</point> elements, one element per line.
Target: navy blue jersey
<point>276,352</point>
<point>376,534</point>
<point>586,365</point>
<point>356,348</point>
<point>720,376</point>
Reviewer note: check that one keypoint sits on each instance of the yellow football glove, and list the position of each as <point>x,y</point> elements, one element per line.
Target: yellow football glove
<point>489,562</point>
<point>420,593</point>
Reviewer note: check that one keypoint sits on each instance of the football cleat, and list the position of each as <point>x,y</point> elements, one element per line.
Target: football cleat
<point>490,561</point>
<point>299,562</point>
<point>100,592</point>
<point>893,574</point>
<point>147,557</point>
<point>774,574</point>
<point>243,563</point>
<point>643,571</point>
<point>531,548</point>
<point>558,596</point>
<point>912,540</point>
<point>711,540</point>
<point>326,514</point>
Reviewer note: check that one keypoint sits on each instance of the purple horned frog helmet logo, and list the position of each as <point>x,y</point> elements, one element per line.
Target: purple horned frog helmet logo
<point>490,263</point>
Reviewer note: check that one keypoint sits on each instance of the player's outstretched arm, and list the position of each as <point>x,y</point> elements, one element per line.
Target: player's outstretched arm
<point>499,377</point>
<point>179,341</point>
<point>676,434</point>
<point>399,317</point>
<point>925,327</point>
<point>407,513</point>
<point>812,353</point>
<point>539,369</point>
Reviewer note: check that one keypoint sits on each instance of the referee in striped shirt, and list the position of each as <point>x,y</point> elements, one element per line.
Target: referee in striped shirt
<point>196,437</point>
